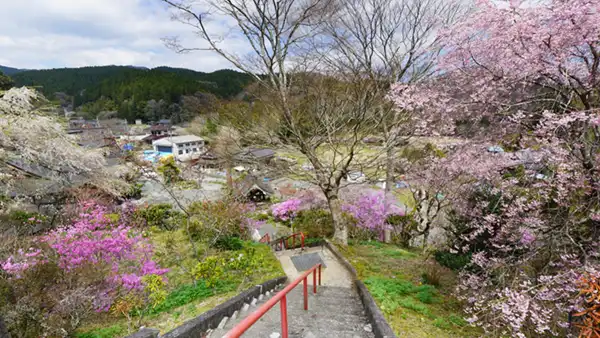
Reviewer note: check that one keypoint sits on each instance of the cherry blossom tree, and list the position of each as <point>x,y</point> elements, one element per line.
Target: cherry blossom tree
<point>528,209</point>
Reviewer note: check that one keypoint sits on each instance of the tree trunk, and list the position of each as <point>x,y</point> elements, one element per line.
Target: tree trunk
<point>341,228</point>
<point>229,177</point>
<point>389,183</point>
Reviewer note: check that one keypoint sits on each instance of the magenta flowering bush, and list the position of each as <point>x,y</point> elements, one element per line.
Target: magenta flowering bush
<point>121,254</point>
<point>371,210</point>
<point>286,211</point>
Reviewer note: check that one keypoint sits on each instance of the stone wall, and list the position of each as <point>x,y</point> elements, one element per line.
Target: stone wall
<point>194,328</point>
<point>381,328</point>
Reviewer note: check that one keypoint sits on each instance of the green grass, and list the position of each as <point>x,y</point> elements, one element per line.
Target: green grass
<point>187,185</point>
<point>393,275</point>
<point>186,294</point>
<point>109,332</point>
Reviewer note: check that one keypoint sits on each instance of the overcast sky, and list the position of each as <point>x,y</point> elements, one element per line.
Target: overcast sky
<point>38,34</point>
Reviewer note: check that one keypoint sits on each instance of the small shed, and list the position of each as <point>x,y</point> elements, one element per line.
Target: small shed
<point>254,189</point>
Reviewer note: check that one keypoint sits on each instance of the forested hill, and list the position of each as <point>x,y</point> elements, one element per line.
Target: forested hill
<point>10,71</point>
<point>128,89</point>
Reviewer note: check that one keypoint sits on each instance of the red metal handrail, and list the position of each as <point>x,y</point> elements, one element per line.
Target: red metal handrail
<point>245,324</point>
<point>283,242</point>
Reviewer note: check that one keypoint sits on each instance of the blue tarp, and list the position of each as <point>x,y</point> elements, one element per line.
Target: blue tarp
<point>154,156</point>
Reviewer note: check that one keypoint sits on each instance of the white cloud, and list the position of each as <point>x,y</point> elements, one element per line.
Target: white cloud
<point>74,33</point>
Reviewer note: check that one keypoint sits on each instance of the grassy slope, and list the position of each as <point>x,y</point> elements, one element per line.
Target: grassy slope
<point>185,301</point>
<point>413,309</point>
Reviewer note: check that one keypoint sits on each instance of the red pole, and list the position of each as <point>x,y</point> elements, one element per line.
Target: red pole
<point>305,293</point>
<point>302,238</point>
<point>315,281</point>
<point>284,323</point>
<point>319,274</point>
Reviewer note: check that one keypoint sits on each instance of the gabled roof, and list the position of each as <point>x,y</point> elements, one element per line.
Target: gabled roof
<point>251,182</point>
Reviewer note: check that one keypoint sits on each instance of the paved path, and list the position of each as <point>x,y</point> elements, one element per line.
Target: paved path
<point>333,275</point>
<point>335,311</point>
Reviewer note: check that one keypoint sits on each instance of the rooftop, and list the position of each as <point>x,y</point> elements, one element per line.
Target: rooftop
<point>169,141</point>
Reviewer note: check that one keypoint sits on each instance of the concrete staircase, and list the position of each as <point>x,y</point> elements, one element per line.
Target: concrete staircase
<point>332,312</point>
<point>335,311</point>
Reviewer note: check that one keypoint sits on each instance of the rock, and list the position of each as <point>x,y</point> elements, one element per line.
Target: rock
<point>368,328</point>
<point>245,307</point>
<point>274,335</point>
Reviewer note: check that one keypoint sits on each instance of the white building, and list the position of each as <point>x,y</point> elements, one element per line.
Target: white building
<point>182,147</point>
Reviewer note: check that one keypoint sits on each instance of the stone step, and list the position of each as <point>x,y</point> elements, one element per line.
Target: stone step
<point>332,312</point>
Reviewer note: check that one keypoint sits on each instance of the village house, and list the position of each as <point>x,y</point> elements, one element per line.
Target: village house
<point>181,147</point>
<point>160,130</point>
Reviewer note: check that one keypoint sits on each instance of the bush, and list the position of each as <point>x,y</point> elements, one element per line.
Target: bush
<point>315,223</point>
<point>451,260</point>
<point>229,243</point>
<point>134,192</point>
<point>211,221</point>
<point>262,217</point>
<point>169,170</point>
<point>402,228</point>
<point>25,223</point>
<point>159,215</point>
<point>432,274</point>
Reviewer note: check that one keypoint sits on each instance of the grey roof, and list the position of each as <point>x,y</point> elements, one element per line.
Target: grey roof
<point>262,153</point>
<point>169,141</point>
<point>255,154</point>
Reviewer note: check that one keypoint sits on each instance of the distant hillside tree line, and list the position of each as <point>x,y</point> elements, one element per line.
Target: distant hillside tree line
<point>137,93</point>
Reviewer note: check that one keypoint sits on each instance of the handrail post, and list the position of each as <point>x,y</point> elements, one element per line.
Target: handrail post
<point>315,281</point>
<point>294,242</point>
<point>319,274</point>
<point>302,238</point>
<point>280,297</point>
<point>284,323</point>
<point>305,293</point>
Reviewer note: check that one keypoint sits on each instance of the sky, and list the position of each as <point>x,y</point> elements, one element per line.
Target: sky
<point>39,34</point>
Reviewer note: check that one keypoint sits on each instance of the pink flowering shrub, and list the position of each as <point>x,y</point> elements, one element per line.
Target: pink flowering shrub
<point>287,210</point>
<point>371,211</point>
<point>105,257</point>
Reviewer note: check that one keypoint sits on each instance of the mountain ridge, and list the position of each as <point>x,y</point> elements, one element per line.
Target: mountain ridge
<point>10,70</point>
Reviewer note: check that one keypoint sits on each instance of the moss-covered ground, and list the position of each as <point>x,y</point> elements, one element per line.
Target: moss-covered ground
<point>401,281</point>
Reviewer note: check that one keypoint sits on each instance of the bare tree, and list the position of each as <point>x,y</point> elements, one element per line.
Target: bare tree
<point>323,116</point>
<point>387,41</point>
<point>226,145</point>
